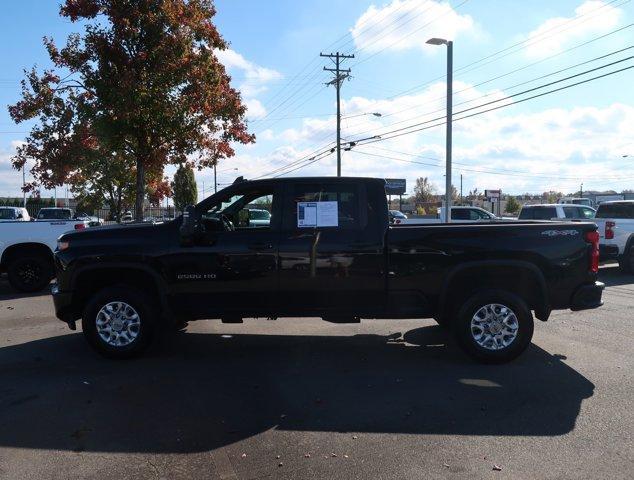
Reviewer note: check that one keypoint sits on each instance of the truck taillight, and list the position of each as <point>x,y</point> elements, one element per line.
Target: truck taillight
<point>593,239</point>
<point>80,226</point>
<point>609,230</point>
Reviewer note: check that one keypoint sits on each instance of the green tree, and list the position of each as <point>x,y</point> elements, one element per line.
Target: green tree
<point>512,205</point>
<point>184,187</point>
<point>142,83</point>
<point>424,190</point>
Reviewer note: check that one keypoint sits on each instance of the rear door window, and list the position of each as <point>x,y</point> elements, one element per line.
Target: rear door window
<point>544,213</point>
<point>616,210</point>
<point>460,214</point>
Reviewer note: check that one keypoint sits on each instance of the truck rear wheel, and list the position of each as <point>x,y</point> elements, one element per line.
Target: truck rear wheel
<point>493,326</point>
<point>30,274</point>
<point>119,322</point>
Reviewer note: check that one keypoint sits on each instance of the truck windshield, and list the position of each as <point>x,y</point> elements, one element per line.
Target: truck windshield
<point>616,210</point>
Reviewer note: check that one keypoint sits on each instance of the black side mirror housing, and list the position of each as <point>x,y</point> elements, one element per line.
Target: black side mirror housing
<point>190,227</point>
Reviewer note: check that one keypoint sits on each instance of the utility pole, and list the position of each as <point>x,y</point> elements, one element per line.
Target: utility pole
<point>340,75</point>
<point>215,179</point>
<point>461,189</point>
<point>581,195</point>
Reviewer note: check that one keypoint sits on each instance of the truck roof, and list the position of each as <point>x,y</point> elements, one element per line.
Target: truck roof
<point>241,181</point>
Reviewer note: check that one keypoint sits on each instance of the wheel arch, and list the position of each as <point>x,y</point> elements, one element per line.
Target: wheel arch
<point>16,250</point>
<point>89,279</point>
<point>518,277</point>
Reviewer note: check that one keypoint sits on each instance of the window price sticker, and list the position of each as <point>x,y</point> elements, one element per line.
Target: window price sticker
<point>317,214</point>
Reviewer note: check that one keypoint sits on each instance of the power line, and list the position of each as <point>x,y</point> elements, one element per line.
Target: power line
<point>365,59</point>
<point>484,82</point>
<point>513,173</point>
<point>465,68</point>
<point>382,137</point>
<point>510,88</point>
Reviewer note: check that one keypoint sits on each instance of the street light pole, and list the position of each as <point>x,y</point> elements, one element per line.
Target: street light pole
<point>215,180</point>
<point>449,43</point>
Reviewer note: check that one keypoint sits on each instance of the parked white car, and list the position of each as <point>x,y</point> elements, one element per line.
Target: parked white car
<point>557,211</point>
<point>14,214</point>
<point>26,251</point>
<point>459,214</point>
<point>616,232</point>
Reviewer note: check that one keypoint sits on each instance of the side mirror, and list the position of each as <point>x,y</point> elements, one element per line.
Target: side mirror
<point>190,227</point>
<point>19,216</point>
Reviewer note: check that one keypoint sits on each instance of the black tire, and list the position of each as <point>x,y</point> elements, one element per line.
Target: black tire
<point>465,334</point>
<point>30,274</point>
<point>146,313</point>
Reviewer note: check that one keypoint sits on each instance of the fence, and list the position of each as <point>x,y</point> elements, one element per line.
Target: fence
<point>104,214</point>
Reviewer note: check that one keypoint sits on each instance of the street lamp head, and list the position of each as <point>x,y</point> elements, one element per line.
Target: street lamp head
<point>437,41</point>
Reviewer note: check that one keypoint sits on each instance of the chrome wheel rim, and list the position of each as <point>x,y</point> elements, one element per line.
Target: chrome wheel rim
<point>494,326</point>
<point>118,324</point>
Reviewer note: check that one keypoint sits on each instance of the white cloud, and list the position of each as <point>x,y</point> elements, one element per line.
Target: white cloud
<point>255,108</point>
<point>407,24</point>
<point>254,77</point>
<point>590,18</point>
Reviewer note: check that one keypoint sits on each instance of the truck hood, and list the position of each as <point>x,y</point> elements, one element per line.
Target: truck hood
<point>134,233</point>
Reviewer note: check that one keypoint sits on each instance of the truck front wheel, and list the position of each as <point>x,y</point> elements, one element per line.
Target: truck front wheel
<point>493,326</point>
<point>119,322</point>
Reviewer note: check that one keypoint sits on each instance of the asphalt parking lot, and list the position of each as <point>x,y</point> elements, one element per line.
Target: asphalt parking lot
<point>301,398</point>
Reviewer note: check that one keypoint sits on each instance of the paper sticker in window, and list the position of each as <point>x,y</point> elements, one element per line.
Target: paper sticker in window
<point>317,214</point>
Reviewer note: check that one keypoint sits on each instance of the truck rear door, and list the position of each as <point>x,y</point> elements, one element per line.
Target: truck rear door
<point>331,248</point>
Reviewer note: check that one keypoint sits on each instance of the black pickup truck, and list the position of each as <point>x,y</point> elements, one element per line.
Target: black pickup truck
<point>323,247</point>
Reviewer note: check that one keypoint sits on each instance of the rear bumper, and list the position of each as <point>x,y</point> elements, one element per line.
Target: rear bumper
<point>63,302</point>
<point>587,297</point>
<point>608,252</point>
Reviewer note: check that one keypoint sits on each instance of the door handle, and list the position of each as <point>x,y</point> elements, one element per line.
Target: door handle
<point>260,246</point>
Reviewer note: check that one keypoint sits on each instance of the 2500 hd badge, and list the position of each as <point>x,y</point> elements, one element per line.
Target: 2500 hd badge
<point>196,276</point>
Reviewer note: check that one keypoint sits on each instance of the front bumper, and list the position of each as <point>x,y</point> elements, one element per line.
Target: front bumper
<point>63,302</point>
<point>587,297</point>
<point>608,252</point>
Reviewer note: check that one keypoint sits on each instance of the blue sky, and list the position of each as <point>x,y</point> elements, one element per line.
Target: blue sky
<point>555,142</point>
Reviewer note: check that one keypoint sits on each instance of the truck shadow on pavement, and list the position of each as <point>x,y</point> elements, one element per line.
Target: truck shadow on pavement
<point>204,391</point>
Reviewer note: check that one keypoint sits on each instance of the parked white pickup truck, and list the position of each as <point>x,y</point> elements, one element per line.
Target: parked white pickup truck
<point>26,251</point>
<point>616,232</point>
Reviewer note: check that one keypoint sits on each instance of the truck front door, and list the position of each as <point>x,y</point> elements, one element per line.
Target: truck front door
<point>232,269</point>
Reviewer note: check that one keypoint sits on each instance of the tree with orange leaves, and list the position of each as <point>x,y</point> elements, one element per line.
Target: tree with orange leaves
<point>142,85</point>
